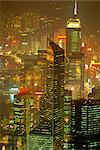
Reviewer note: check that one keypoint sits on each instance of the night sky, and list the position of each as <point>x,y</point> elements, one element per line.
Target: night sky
<point>88,10</point>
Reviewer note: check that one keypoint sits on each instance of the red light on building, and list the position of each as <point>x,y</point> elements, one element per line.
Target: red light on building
<point>23,90</point>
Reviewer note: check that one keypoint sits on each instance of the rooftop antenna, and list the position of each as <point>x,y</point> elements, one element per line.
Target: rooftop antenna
<point>75,8</point>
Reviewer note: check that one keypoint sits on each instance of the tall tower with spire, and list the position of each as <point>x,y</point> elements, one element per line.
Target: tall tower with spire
<point>75,58</point>
<point>74,31</point>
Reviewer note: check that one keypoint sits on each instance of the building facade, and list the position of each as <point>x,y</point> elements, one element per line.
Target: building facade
<point>75,59</point>
<point>85,124</point>
<point>52,105</point>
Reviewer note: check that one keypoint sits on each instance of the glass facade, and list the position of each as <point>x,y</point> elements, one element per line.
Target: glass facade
<point>40,142</point>
<point>73,35</point>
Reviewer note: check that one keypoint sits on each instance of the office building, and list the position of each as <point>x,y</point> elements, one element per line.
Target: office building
<point>75,58</point>
<point>85,124</point>
<point>24,119</point>
<point>52,105</point>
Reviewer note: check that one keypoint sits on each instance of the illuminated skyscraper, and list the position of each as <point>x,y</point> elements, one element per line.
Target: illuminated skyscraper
<point>23,117</point>
<point>52,107</point>
<point>55,93</point>
<point>75,59</point>
<point>85,124</point>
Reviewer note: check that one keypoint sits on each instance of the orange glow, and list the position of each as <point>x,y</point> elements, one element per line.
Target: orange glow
<point>23,90</point>
<point>50,54</point>
<point>39,93</point>
<point>89,49</point>
<point>61,37</point>
<point>96,64</point>
<point>14,42</point>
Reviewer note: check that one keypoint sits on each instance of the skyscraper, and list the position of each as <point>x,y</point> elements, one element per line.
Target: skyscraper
<point>23,116</point>
<point>75,58</point>
<point>85,124</point>
<point>51,122</point>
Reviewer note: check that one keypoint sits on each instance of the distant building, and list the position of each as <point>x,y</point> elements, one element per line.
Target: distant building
<point>50,131</point>
<point>42,63</point>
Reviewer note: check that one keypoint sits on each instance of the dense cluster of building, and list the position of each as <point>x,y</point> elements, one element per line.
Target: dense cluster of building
<point>49,107</point>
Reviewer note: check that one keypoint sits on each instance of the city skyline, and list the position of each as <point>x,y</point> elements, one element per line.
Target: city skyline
<point>88,11</point>
<point>49,75</point>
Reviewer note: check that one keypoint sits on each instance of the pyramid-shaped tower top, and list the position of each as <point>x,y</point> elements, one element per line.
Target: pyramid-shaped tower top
<point>75,21</point>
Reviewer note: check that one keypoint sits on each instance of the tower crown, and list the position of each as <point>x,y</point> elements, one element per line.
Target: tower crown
<point>73,23</point>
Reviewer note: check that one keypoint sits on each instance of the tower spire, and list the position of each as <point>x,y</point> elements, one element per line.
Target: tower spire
<point>75,7</point>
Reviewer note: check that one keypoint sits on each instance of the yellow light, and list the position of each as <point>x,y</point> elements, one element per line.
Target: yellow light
<point>83,45</point>
<point>66,119</point>
<point>89,49</point>
<point>61,37</point>
<point>73,23</point>
<point>72,88</point>
<point>3,147</point>
<point>35,84</point>
<point>6,45</point>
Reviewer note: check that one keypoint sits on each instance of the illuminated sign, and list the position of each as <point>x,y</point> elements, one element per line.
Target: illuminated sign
<point>73,23</point>
<point>14,90</point>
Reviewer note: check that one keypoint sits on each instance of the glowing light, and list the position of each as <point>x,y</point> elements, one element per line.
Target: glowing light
<point>72,88</point>
<point>83,45</point>
<point>86,66</point>
<point>66,119</point>
<point>14,90</point>
<point>14,42</point>
<point>3,147</point>
<point>39,93</point>
<point>24,43</point>
<point>11,98</point>
<point>61,37</point>
<point>89,49</point>
<point>73,23</point>
<point>6,45</point>
<point>23,90</point>
<point>35,84</point>
<point>9,52</point>
<point>60,43</point>
<point>88,81</point>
